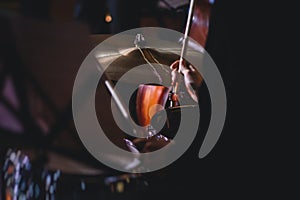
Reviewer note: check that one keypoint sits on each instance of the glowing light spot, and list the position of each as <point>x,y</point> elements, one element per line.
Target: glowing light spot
<point>108,18</point>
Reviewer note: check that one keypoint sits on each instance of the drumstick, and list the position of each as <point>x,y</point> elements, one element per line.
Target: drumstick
<point>185,42</point>
<point>186,34</point>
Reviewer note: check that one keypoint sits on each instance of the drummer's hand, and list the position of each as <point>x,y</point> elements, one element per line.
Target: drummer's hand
<point>192,77</point>
<point>152,143</point>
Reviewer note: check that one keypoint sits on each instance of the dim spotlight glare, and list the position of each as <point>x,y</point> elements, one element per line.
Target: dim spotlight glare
<point>108,18</point>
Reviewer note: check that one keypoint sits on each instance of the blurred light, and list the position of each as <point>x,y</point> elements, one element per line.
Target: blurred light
<point>108,18</point>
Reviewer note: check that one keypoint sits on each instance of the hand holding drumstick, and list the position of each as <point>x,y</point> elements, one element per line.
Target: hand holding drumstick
<point>192,77</point>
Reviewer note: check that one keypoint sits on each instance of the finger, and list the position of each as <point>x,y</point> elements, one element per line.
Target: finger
<point>192,68</point>
<point>174,76</point>
<point>175,65</point>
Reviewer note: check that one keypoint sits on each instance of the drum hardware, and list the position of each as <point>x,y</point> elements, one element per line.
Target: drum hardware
<point>119,184</point>
<point>23,181</point>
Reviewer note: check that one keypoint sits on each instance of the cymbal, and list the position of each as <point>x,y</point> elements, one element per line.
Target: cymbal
<point>147,63</point>
<point>119,55</point>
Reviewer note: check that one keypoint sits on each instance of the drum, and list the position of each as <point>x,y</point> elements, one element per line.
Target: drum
<point>149,100</point>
